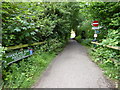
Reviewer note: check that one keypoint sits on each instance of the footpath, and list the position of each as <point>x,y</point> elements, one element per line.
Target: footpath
<point>72,68</point>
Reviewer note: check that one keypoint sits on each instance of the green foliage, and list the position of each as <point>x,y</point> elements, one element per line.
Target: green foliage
<point>32,67</point>
<point>75,16</point>
<point>27,70</point>
<point>107,13</point>
<point>49,46</point>
<point>87,28</point>
<point>34,22</point>
<point>86,42</point>
<point>78,38</point>
<point>113,38</point>
<point>1,52</point>
<point>107,59</point>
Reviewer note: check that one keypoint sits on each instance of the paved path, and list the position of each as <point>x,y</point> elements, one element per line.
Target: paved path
<point>72,68</point>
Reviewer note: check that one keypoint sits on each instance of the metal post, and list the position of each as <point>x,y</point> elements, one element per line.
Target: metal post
<point>95,33</point>
<point>94,38</point>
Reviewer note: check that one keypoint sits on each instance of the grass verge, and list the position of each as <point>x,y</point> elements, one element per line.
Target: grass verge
<point>109,69</point>
<point>105,59</point>
<point>25,73</point>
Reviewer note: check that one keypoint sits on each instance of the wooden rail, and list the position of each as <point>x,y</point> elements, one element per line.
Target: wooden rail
<point>21,46</point>
<point>113,47</point>
<point>18,59</point>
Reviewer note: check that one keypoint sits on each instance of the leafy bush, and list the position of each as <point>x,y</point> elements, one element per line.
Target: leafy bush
<point>107,59</point>
<point>86,42</point>
<point>112,38</point>
<point>34,22</point>
<point>78,38</point>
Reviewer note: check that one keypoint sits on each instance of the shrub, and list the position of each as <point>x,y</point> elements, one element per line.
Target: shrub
<point>87,42</point>
<point>78,38</point>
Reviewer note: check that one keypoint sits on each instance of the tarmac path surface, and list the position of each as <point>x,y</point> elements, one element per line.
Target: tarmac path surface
<point>72,68</point>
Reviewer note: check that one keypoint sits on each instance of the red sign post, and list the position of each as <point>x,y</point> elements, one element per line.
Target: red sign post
<point>95,23</point>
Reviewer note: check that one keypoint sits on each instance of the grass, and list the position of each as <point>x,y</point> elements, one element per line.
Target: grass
<point>25,73</point>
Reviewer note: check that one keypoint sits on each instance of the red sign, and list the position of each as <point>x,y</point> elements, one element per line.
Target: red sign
<point>95,23</point>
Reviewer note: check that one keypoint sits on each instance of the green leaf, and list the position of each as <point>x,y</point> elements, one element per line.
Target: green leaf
<point>17,29</point>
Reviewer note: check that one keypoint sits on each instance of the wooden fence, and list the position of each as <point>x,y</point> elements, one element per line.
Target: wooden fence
<point>22,46</point>
<point>113,47</point>
<point>19,47</point>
